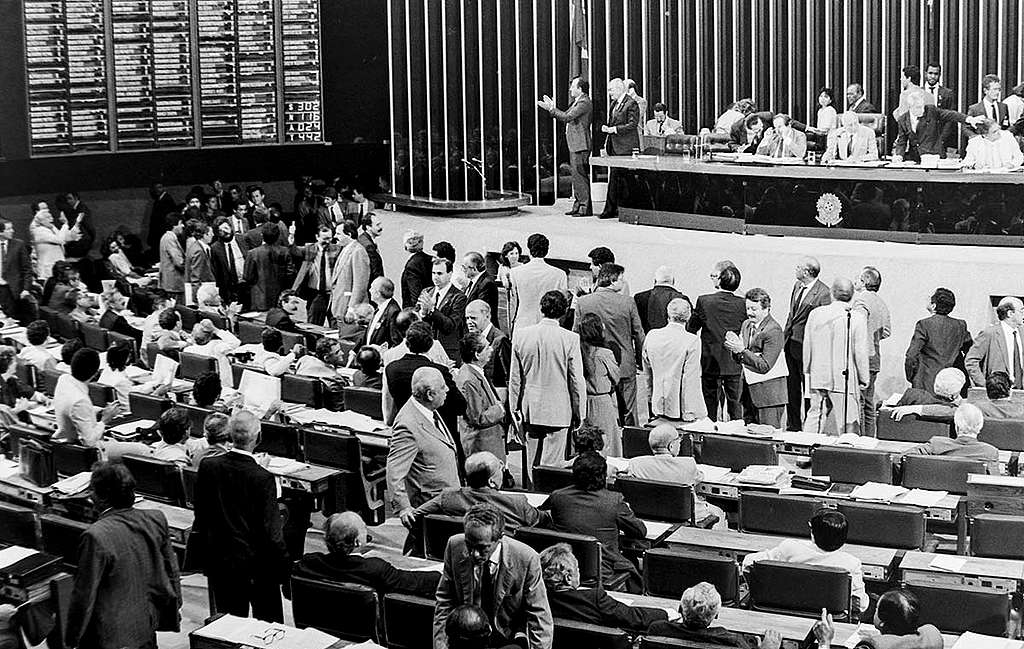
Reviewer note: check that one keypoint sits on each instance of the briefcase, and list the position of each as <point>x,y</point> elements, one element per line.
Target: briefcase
<point>36,462</point>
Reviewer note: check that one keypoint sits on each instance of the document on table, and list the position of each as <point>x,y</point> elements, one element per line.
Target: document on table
<point>250,632</point>
<point>259,391</point>
<point>164,369</point>
<point>713,473</point>
<point>922,497</point>
<point>877,491</point>
<point>655,529</point>
<point>948,562</point>
<point>130,427</point>
<point>73,484</point>
<point>971,640</point>
<point>14,554</point>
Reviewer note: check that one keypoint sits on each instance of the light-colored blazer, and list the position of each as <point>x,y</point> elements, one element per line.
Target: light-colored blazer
<point>670,127</point>
<point>762,351</point>
<point>197,264</point>
<point>988,354</point>
<point>797,147</point>
<point>481,427</point>
<point>546,380</point>
<point>520,597</point>
<point>865,146</point>
<point>350,279</point>
<point>48,242</point>
<point>421,459</point>
<point>672,370</point>
<point>530,282</point>
<point>172,263</point>
<point>825,348</point>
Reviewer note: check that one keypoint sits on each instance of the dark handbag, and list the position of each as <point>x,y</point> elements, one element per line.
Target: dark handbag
<point>36,462</point>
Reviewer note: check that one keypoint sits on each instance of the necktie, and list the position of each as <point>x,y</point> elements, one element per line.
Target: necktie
<point>487,590</point>
<point>441,427</point>
<point>799,298</point>
<point>231,260</point>
<point>849,146</point>
<point>1018,379</point>
<point>323,268</point>
<point>994,117</point>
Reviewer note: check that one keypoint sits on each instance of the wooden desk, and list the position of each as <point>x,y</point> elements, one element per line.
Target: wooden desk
<point>879,564</point>
<point>1005,575</point>
<point>17,488</point>
<point>311,478</point>
<point>179,519</point>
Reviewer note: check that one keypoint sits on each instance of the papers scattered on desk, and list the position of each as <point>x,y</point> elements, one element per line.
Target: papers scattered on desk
<point>9,468</point>
<point>761,474</point>
<point>129,427</point>
<point>534,499</point>
<point>970,640</point>
<point>878,492</point>
<point>283,465</point>
<point>348,418</point>
<point>713,473</point>
<point>923,497</point>
<point>856,441</point>
<point>734,427</point>
<point>655,529</point>
<point>801,438</point>
<point>74,484</point>
<point>164,369</point>
<point>14,554</point>
<point>249,632</point>
<point>948,562</point>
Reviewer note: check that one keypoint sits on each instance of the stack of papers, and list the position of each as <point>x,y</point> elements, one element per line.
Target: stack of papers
<point>923,497</point>
<point>856,441</point>
<point>713,473</point>
<point>802,438</point>
<point>762,474</point>
<point>74,484</point>
<point>700,426</point>
<point>734,427</point>
<point>970,640</point>
<point>14,554</point>
<point>878,492</point>
<point>248,632</point>
<point>348,419</point>
<point>283,465</point>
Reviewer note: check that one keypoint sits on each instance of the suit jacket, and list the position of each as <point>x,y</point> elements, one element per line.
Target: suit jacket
<point>416,276</point>
<point>652,304</point>
<point>520,598</point>
<point>530,281</point>
<point>278,318</point>
<point>625,117</point>
<point>397,389</point>
<point>714,314</point>
<point>17,267</point>
<point>376,263</point>
<point>843,145</point>
<point>307,254</point>
<point>929,138</point>
<point>485,413</point>
<point>486,289</point>
<point>457,501</point>
<point>595,606</point>
<point>369,571</point>
<point>499,367</point>
<point>939,341</point>
<point>668,127</point>
<point>864,106</point>
<point>265,273</point>
<point>127,585</point>
<point>350,279</point>
<point>764,344</point>
<point>382,331</point>
<point>716,635</point>
<point>621,325</point>
<point>1002,111</point>
<point>198,267</point>
<point>773,145</point>
<point>672,368</point>
<point>738,131</point>
<point>448,320</point>
<point>238,519</point>
<point>988,355</point>
<point>227,281</point>
<point>825,349</point>
<point>172,263</point>
<point>816,295</point>
<point>113,321</point>
<point>422,460</point>
<point>577,123</point>
<point>944,97</point>
<point>546,383</point>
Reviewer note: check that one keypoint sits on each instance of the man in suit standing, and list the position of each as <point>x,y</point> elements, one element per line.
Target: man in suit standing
<point>500,575</point>
<point>758,348</point>
<point>481,285</point>
<point>714,315</point>
<point>15,273</point>
<point>239,523</point>
<point>416,274</point>
<point>622,328</point>
<point>1000,348</point>
<point>265,268</point>
<point>939,341</point>
<point>422,458</point>
<point>853,142</point>
<point>443,307</point>
<point>922,128</point>
<point>350,277</point>
<point>990,106</point>
<point>127,585</point>
<point>227,260</point>
<point>578,138</point>
<point>382,330</point>
<point>808,292</point>
<point>672,368</point>
<point>546,386</point>
<point>623,136</point>
<point>836,362</point>
<point>530,281</point>
<point>867,300</point>
<point>371,226</point>
<point>172,259</point>
<point>313,279</point>
<point>944,97</point>
<point>478,321</point>
<point>855,101</point>
<point>198,265</point>
<point>650,304</point>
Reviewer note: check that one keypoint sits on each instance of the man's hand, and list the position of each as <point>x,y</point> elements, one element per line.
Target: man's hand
<point>109,412</point>
<point>975,120</point>
<point>408,517</point>
<point>608,129</point>
<point>21,404</point>
<point>824,630</point>
<point>896,158</point>
<point>733,343</point>
<point>772,639</point>
<point>899,412</point>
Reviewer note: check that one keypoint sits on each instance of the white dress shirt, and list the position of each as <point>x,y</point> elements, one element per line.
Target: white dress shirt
<point>1008,332</point>
<point>76,416</point>
<point>983,153</point>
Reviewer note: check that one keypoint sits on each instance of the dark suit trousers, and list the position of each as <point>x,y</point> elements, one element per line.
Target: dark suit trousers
<point>316,306</point>
<point>234,593</point>
<point>769,415</point>
<point>795,385</point>
<point>579,167</point>
<point>731,385</point>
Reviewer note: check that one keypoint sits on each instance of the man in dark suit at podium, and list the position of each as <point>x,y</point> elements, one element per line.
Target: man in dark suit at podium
<point>623,137</point>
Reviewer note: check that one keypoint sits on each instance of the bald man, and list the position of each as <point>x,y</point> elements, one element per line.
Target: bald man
<point>382,330</point>
<point>344,534</point>
<point>478,321</point>
<point>808,293</point>
<point>999,348</point>
<point>836,361</point>
<point>651,303</point>
<point>422,460</point>
<point>623,137</point>
<point>416,274</point>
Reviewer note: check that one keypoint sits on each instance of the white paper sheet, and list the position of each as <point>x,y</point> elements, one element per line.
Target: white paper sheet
<point>713,473</point>
<point>164,369</point>
<point>656,529</point>
<point>438,568</point>
<point>130,427</point>
<point>250,632</point>
<point>971,640</point>
<point>14,554</point>
<point>948,562</point>
<point>73,484</point>
<point>877,491</point>
<point>259,391</point>
<point>922,497</point>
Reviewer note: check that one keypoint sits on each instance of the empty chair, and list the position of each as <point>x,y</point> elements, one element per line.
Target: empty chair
<point>409,621</point>
<point>156,479</point>
<point>956,609</point>
<point>799,589</point>
<point>1004,434</point>
<point>736,453</point>
<point>658,501</point>
<point>145,406</point>
<point>306,390</point>
<point>250,332</point>
<point>886,526</point>
<point>17,525</point>
<point>72,459</point>
<point>194,365</point>
<point>775,514</point>
<point>281,440</point>
<point>95,337</point>
<point>319,604</point>
<point>363,489</point>
<point>586,549</point>
<point>852,465</point>
<point>939,473</point>
<point>910,428</point>
<point>196,417</point>
<point>634,441</point>
<point>61,537</point>
<point>548,478</point>
<point>437,529</point>
<point>101,395</point>
<point>365,401</point>
<point>570,635</point>
<point>667,573</point>
<point>998,536</point>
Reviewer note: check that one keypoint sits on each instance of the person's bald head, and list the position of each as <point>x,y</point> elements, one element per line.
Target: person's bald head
<point>678,310</point>
<point>616,88</point>
<point>1011,311</point>
<point>661,438</point>
<point>478,315</point>
<point>842,289</point>
<point>428,387</point>
<point>412,240</point>
<point>483,469</point>
<point>344,532</point>
<point>381,289</point>
<point>664,275</point>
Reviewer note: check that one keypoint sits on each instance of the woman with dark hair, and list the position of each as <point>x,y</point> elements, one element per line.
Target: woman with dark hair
<point>511,256</point>
<point>601,371</point>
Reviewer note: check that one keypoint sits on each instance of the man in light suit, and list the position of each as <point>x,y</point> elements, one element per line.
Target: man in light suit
<point>990,106</point>
<point>382,330</point>
<point>782,140</point>
<point>172,259</point>
<point>808,292</point>
<point>759,348</point>
<point>546,386</point>
<point>313,279</point>
<point>350,277</point>
<point>577,136</point>
<point>500,575</point>
<point>482,426</point>
<point>198,266</point>
<point>836,362</point>
<point>422,460</point>
<point>623,136</point>
<point>481,285</point>
<point>443,307</point>
<point>999,348</point>
<point>662,124</point>
<point>532,280</point>
<point>672,365</point>
<point>853,142</point>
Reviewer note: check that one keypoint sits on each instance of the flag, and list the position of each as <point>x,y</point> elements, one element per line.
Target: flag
<point>579,59</point>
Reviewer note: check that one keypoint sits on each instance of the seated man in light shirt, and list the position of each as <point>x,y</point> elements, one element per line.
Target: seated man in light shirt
<point>828,535</point>
<point>36,353</point>
<point>665,465</point>
<point>267,355</point>
<point>782,140</point>
<point>853,142</point>
<point>76,416</point>
<point>208,340</point>
<point>662,124</point>
<point>992,148</point>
